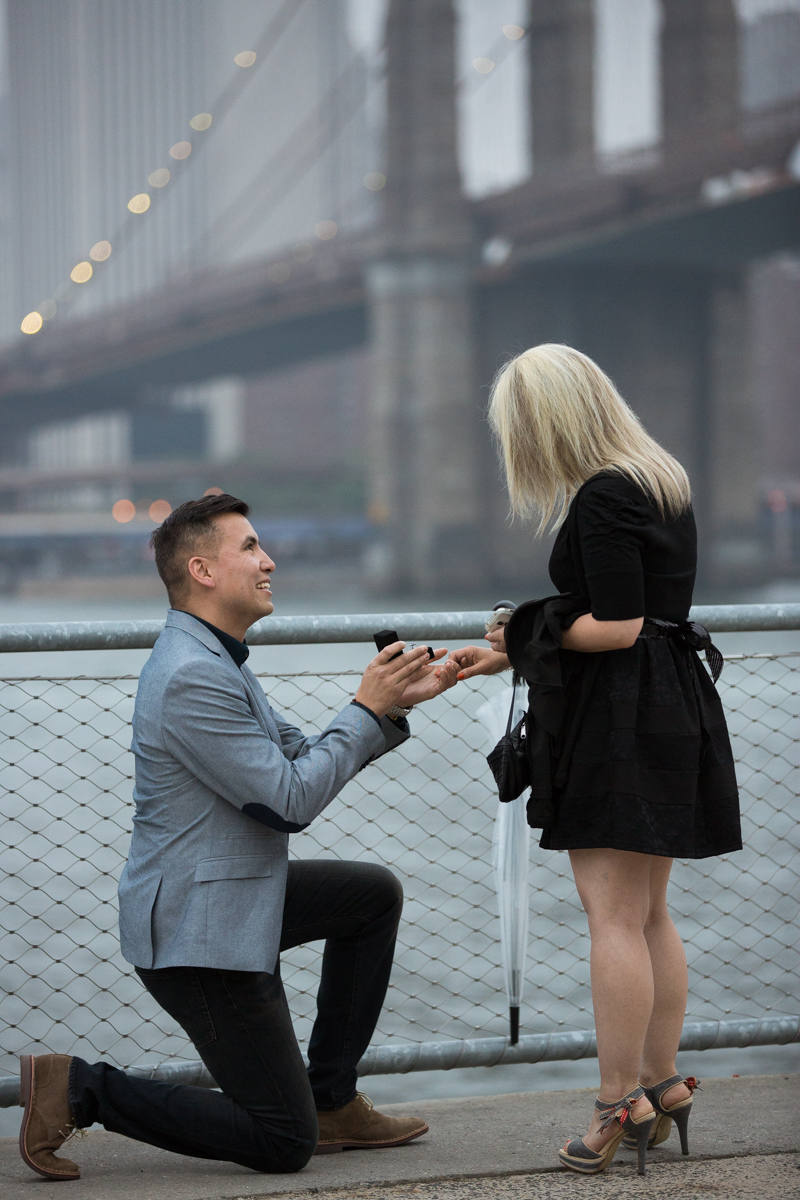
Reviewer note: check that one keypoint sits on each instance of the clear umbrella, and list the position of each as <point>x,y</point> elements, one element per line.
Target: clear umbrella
<point>510,849</point>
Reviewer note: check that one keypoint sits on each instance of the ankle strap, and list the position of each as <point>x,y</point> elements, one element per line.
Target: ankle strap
<point>618,1110</point>
<point>657,1090</point>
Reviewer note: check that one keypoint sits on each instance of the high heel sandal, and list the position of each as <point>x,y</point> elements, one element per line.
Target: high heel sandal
<point>577,1156</point>
<point>678,1112</point>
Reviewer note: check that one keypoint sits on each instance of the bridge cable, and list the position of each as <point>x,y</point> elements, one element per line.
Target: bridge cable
<point>268,40</point>
<point>299,152</point>
<point>319,121</point>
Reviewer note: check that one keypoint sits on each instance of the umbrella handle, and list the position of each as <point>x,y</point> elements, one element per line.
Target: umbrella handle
<point>513,1020</point>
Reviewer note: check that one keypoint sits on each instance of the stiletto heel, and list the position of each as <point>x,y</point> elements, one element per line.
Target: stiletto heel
<point>678,1112</point>
<point>641,1132</point>
<point>577,1156</point>
<point>681,1119</point>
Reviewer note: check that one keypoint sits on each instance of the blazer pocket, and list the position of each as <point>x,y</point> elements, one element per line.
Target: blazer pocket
<point>244,867</point>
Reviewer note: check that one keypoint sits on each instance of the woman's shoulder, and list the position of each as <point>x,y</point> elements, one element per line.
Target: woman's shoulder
<point>610,500</point>
<point>610,494</point>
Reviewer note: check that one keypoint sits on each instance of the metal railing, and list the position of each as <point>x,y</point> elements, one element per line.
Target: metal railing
<point>427,810</point>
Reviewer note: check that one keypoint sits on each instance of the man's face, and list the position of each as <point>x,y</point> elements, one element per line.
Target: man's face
<point>240,570</point>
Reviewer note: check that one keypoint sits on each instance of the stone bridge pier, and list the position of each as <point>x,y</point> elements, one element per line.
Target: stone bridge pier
<point>424,419</point>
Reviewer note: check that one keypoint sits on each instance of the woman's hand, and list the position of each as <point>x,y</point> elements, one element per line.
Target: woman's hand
<point>591,636</point>
<point>431,681</point>
<point>480,660</point>
<point>497,639</point>
<point>386,679</point>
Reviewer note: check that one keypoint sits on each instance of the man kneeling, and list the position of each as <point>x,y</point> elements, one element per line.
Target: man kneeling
<point>208,898</point>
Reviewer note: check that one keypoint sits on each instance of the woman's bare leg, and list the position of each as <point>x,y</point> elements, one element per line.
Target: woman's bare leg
<point>614,887</point>
<point>670,987</point>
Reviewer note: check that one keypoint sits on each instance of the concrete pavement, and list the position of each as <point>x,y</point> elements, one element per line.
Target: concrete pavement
<point>744,1136</point>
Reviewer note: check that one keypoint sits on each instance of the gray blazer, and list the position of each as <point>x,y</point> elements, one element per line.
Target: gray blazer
<point>221,782</point>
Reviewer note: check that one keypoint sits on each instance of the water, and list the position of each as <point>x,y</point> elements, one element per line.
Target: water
<point>339,596</point>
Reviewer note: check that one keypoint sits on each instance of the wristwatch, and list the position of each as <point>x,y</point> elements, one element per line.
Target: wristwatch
<point>397,712</point>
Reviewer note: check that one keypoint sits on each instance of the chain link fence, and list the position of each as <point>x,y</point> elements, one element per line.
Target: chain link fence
<point>427,811</point>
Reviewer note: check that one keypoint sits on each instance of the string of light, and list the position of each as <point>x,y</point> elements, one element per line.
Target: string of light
<point>318,128</point>
<point>258,200</point>
<point>297,154</point>
<point>180,152</point>
<point>497,55</point>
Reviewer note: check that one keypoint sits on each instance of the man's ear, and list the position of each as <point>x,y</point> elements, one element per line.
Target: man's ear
<point>199,571</point>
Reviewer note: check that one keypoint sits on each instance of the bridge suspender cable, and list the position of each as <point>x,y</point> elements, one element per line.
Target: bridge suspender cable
<point>299,152</point>
<point>131,223</point>
<point>305,145</point>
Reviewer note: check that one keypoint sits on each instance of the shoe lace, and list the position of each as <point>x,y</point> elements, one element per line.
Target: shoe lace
<point>620,1111</point>
<point>366,1099</point>
<point>72,1131</point>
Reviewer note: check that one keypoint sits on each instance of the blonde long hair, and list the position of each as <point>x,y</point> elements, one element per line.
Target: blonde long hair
<point>559,420</point>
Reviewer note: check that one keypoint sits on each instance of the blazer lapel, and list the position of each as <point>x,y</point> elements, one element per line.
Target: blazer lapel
<point>260,704</point>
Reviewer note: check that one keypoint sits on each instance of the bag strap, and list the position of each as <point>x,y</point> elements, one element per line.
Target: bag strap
<point>515,681</point>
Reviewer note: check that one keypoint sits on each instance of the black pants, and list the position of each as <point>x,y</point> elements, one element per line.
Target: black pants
<point>265,1116</point>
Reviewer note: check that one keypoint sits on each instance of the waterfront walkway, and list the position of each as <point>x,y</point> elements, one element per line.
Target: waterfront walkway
<point>744,1134</point>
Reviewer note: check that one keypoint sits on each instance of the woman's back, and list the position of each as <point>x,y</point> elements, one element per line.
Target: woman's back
<point>617,552</point>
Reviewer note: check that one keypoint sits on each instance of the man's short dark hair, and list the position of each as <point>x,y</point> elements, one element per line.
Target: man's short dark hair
<point>191,529</point>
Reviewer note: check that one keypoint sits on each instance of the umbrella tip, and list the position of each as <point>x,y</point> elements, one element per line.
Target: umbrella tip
<point>513,1020</point>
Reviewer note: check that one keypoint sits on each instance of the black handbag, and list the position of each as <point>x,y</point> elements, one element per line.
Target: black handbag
<point>509,761</point>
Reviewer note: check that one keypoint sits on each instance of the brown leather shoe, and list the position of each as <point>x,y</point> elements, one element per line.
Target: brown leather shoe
<point>47,1121</point>
<point>358,1126</point>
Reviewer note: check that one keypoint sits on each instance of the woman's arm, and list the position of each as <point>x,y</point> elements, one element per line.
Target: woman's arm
<point>591,636</point>
<point>585,634</point>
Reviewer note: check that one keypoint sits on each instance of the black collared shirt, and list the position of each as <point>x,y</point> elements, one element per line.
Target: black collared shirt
<point>239,651</point>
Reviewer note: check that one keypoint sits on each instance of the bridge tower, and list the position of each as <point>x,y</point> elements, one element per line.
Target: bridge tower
<point>561,57</point>
<point>699,66</point>
<point>674,334</point>
<point>425,413</point>
<point>700,94</point>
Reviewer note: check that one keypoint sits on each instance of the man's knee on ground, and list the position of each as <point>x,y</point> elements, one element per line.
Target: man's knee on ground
<point>284,1155</point>
<point>294,1158</point>
<point>285,1140</point>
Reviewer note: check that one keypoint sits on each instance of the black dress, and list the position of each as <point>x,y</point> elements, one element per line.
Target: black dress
<point>651,768</point>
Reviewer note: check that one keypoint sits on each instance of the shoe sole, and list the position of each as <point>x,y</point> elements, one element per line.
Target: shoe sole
<point>27,1095</point>
<point>585,1166</point>
<point>351,1144</point>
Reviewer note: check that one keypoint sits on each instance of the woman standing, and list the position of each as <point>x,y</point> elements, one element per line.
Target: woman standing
<point>650,773</point>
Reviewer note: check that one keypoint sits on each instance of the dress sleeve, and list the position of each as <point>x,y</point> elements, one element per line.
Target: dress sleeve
<point>611,524</point>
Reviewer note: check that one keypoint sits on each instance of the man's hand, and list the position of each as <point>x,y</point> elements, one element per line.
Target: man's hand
<point>432,681</point>
<point>384,682</point>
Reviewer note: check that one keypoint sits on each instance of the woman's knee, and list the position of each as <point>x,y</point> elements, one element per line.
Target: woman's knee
<point>616,922</point>
<point>658,917</point>
<point>609,910</point>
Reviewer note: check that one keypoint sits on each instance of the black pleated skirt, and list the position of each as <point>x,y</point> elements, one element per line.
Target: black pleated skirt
<point>651,768</point>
